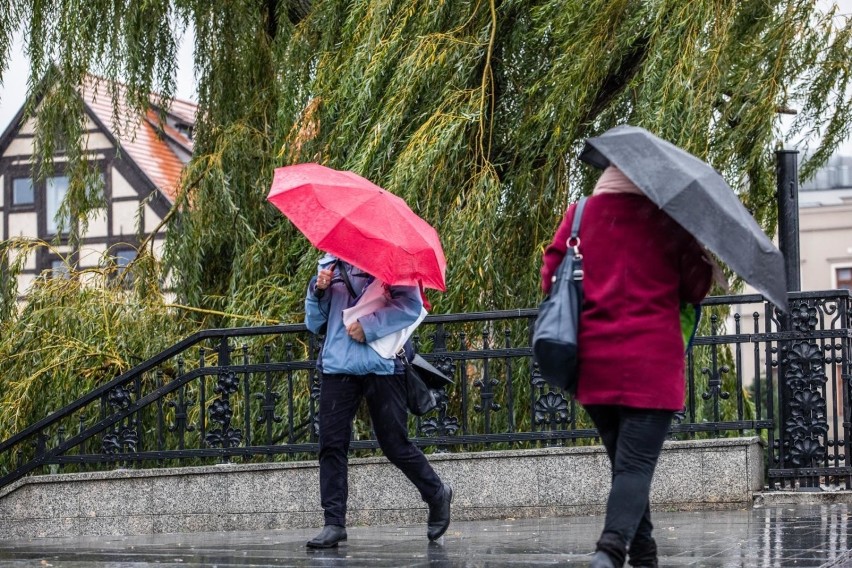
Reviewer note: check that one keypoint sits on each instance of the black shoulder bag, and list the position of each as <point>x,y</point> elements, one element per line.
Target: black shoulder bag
<point>418,396</point>
<point>557,326</point>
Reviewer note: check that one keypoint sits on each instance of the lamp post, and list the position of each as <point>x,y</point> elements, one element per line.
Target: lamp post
<point>787,179</point>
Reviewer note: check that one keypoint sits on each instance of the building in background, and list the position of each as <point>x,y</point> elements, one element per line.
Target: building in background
<point>140,158</point>
<point>825,227</point>
<point>825,257</point>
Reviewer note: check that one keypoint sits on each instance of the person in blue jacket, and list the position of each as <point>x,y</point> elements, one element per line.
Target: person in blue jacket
<point>351,370</point>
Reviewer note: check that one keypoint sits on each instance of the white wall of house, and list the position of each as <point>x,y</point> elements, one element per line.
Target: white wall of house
<point>111,229</point>
<point>28,127</point>
<point>825,237</point>
<point>98,223</point>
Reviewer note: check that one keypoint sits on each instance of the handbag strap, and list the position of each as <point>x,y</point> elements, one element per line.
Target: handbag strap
<point>403,358</point>
<point>575,225</point>
<point>341,267</point>
<point>573,244</point>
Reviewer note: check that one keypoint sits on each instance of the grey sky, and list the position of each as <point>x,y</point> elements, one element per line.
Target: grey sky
<point>13,91</point>
<point>14,87</point>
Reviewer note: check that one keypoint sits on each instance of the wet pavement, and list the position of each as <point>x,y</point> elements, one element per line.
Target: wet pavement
<point>802,536</point>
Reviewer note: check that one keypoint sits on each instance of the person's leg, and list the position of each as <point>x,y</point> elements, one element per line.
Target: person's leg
<point>607,419</point>
<point>643,548</point>
<point>640,440</point>
<point>386,401</point>
<point>339,399</point>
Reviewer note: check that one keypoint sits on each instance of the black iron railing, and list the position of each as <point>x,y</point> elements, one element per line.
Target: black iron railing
<point>250,394</point>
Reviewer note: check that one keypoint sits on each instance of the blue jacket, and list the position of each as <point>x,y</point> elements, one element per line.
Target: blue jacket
<point>342,354</point>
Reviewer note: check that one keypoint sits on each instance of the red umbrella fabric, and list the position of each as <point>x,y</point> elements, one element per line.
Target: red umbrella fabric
<point>359,222</point>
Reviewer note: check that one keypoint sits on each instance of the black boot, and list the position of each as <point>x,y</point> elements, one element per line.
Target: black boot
<point>329,537</point>
<point>610,552</point>
<point>601,559</point>
<point>643,553</point>
<point>439,514</point>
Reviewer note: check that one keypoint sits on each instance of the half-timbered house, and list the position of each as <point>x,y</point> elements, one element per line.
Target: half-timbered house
<point>140,159</point>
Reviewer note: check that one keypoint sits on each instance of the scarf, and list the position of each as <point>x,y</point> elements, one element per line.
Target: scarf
<point>613,181</point>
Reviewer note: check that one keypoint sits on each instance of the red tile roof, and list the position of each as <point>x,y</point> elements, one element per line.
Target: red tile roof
<point>143,139</point>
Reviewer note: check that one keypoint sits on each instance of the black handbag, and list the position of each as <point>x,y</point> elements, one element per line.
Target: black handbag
<point>433,378</point>
<point>419,398</point>
<point>557,326</point>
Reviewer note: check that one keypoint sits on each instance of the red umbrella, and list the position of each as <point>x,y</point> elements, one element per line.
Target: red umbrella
<point>360,223</point>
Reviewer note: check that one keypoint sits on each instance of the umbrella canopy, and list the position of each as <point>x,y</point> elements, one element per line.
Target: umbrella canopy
<point>359,222</point>
<point>698,198</point>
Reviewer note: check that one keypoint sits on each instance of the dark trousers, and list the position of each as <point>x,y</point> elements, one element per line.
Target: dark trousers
<point>633,438</point>
<point>340,396</point>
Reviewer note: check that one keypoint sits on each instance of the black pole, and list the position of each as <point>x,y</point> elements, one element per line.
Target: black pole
<point>787,172</point>
<point>787,179</point>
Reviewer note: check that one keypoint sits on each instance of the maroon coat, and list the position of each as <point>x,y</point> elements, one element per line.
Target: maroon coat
<point>639,266</point>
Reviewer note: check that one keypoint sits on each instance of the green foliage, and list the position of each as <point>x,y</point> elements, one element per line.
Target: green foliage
<point>473,116</point>
<point>78,332</point>
<point>471,110</point>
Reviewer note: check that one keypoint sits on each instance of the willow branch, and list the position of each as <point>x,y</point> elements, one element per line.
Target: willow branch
<point>487,77</point>
<point>224,314</point>
<point>182,195</point>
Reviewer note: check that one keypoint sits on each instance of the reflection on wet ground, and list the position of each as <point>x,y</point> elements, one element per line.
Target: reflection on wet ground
<point>803,536</point>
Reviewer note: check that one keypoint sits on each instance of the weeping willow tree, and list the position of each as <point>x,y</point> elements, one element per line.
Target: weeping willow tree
<point>472,110</point>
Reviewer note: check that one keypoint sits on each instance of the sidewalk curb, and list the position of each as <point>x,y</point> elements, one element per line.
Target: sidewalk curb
<point>819,497</point>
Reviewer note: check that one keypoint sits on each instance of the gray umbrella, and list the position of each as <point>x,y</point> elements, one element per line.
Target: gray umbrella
<point>695,195</point>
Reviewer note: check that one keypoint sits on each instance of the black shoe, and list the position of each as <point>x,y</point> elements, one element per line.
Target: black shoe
<point>439,514</point>
<point>330,536</point>
<point>601,559</point>
<point>610,552</point>
<point>436,556</point>
<point>643,553</point>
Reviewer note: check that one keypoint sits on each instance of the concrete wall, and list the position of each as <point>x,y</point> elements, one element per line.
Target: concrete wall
<point>487,485</point>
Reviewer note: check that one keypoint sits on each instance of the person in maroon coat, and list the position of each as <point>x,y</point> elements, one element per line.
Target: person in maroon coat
<point>640,267</point>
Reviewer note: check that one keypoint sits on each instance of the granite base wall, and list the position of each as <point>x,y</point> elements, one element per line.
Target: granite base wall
<point>487,485</point>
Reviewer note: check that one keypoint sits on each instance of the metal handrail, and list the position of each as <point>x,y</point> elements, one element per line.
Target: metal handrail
<point>777,334</point>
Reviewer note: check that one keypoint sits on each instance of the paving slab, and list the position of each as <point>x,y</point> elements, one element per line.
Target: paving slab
<point>806,536</point>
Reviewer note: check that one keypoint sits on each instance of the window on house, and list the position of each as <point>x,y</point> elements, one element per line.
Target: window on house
<point>184,129</point>
<point>123,257</point>
<point>844,277</point>
<point>22,191</point>
<point>55,191</point>
<point>58,269</point>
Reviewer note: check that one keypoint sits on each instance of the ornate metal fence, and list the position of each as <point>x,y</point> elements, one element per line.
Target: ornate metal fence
<point>250,394</point>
